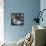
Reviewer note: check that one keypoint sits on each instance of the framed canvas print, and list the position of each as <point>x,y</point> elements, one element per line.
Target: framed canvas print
<point>17,19</point>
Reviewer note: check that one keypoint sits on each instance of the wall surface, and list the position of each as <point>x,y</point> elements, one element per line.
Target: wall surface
<point>43,6</point>
<point>1,20</point>
<point>29,8</point>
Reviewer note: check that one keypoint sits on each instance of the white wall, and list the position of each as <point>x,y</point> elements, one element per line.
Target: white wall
<point>1,20</point>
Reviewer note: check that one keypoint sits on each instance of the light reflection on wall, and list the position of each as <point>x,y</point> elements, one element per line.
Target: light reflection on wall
<point>1,20</point>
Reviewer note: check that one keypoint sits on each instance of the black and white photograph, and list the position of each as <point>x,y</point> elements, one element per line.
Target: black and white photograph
<point>17,18</point>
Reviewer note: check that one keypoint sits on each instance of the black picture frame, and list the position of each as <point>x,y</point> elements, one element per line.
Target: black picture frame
<point>17,19</point>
